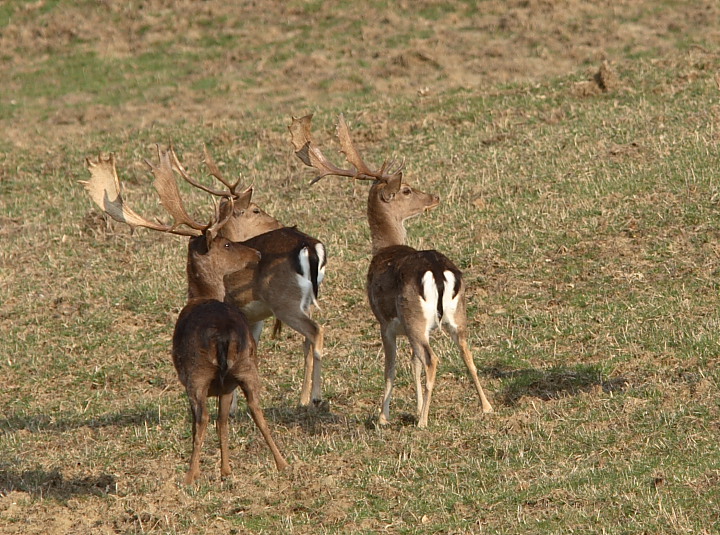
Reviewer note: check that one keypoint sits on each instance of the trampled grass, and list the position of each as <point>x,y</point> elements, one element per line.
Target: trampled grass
<point>586,223</point>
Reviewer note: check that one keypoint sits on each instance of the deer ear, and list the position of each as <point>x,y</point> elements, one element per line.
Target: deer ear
<point>243,200</point>
<point>210,235</point>
<point>392,186</point>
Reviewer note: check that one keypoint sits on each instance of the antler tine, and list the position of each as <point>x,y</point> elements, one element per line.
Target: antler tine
<point>177,166</point>
<point>168,191</point>
<point>389,165</point>
<point>352,155</point>
<point>215,171</point>
<point>310,155</point>
<point>104,189</point>
<point>221,219</point>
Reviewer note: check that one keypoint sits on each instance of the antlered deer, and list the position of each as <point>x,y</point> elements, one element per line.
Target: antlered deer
<point>290,272</point>
<point>213,350</point>
<point>214,353</point>
<point>411,292</point>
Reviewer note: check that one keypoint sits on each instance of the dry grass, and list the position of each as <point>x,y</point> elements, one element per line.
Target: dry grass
<point>582,205</point>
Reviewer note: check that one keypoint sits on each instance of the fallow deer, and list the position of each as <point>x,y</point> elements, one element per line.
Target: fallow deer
<point>411,292</point>
<point>213,350</point>
<point>291,269</point>
<point>214,353</point>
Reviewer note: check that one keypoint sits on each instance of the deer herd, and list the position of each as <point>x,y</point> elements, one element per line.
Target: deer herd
<point>244,267</point>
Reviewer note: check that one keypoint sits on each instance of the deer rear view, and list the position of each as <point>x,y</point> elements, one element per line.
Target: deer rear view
<point>213,350</point>
<point>411,292</point>
<point>292,268</point>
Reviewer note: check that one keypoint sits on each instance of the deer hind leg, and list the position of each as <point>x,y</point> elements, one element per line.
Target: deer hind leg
<point>424,357</point>
<point>389,340</point>
<point>458,336</point>
<point>250,384</point>
<point>313,345</point>
<point>418,366</point>
<point>224,402</point>
<point>256,330</point>
<point>201,417</point>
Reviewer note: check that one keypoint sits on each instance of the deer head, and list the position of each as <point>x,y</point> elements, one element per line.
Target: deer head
<point>247,219</point>
<point>390,201</point>
<point>235,211</point>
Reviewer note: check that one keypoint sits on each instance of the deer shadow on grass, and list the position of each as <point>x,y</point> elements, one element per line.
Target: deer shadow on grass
<point>52,484</point>
<point>551,383</point>
<point>44,422</point>
<point>313,420</point>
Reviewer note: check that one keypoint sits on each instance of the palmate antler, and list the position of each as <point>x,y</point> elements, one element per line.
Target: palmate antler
<point>305,149</point>
<point>104,189</point>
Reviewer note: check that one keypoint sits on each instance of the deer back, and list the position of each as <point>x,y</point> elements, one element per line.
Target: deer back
<point>212,337</point>
<point>290,270</point>
<point>399,277</point>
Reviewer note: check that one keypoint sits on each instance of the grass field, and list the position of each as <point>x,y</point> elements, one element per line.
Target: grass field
<point>575,148</point>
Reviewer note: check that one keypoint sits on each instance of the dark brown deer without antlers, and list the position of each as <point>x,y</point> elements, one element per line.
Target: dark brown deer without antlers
<point>290,272</point>
<point>411,292</point>
<point>213,349</point>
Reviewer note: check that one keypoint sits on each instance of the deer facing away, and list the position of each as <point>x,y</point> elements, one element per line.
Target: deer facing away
<point>411,292</point>
<point>213,350</point>
<point>292,265</point>
<point>287,282</point>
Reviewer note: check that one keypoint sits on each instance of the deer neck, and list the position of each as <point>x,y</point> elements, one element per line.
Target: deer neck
<point>386,229</point>
<point>201,284</point>
<point>203,281</point>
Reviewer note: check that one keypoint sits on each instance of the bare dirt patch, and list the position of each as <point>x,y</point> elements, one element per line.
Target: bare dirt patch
<point>417,48</point>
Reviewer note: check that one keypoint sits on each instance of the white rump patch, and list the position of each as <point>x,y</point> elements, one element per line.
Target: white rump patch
<point>304,281</point>
<point>320,250</point>
<point>449,302</point>
<point>429,301</point>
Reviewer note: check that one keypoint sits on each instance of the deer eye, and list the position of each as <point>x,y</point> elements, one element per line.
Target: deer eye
<point>256,211</point>
<point>406,191</point>
<point>227,245</point>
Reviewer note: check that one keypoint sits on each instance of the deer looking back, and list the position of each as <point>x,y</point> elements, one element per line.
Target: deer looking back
<point>214,352</point>
<point>411,292</point>
<point>292,268</point>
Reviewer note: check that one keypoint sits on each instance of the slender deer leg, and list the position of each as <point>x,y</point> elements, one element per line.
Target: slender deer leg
<point>309,355</point>
<point>418,365</point>
<point>461,341</point>
<point>224,402</point>
<point>389,340</point>
<point>427,357</point>
<point>313,357</point>
<point>250,384</point>
<point>256,330</point>
<point>318,351</point>
<point>201,417</point>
